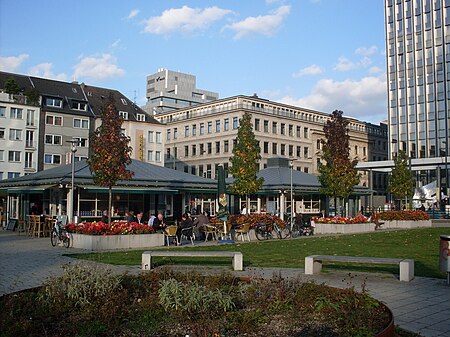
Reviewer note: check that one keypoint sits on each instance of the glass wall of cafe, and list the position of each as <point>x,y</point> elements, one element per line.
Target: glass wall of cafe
<point>89,203</point>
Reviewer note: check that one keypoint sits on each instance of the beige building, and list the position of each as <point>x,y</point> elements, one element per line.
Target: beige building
<point>199,139</point>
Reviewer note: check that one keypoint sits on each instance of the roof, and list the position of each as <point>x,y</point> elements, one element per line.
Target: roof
<point>22,81</point>
<point>145,175</point>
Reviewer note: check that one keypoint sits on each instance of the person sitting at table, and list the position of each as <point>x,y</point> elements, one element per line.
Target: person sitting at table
<point>200,222</point>
<point>186,222</point>
<point>158,223</point>
<point>139,218</point>
<point>130,217</point>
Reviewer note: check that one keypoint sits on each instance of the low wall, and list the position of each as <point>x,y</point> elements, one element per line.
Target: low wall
<point>331,228</point>
<point>110,242</point>
<point>405,224</point>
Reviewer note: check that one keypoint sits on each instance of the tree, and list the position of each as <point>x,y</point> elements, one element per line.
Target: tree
<point>11,86</point>
<point>110,151</point>
<point>245,159</point>
<point>338,174</point>
<point>401,180</point>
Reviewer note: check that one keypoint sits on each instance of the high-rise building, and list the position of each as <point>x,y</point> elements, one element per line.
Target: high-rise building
<point>418,77</point>
<point>169,90</point>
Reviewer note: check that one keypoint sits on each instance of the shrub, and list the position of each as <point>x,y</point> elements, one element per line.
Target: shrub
<point>341,220</point>
<point>237,220</point>
<point>411,215</point>
<point>116,228</point>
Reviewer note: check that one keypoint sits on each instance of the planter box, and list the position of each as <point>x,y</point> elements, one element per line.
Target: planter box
<point>331,228</point>
<point>405,224</point>
<point>111,242</point>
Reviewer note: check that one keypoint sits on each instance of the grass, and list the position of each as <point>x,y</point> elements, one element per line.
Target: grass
<point>422,245</point>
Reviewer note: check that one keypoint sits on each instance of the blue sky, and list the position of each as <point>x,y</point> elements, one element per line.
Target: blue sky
<point>317,54</point>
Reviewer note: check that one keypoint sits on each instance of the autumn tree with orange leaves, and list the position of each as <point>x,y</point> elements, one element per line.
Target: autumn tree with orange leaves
<point>110,151</point>
<point>245,159</point>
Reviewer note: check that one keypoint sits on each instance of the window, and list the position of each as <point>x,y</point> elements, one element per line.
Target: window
<point>150,137</point>
<point>291,130</point>
<point>257,124</point>
<point>124,101</point>
<point>140,117</point>
<point>305,132</point>
<point>209,127</point>
<point>202,149</point>
<point>218,126</point>
<point>2,155</point>
<point>28,159</point>
<point>53,120</point>
<point>266,147</point>
<point>80,158</point>
<point>123,114</point>
<point>56,102</point>
<point>283,128</point>
<point>15,113</point>
<point>194,130</point>
<point>79,106</point>
<point>15,134</point>
<point>298,132</point>
<point>291,150</point>
<point>53,139</point>
<point>2,133</point>
<point>299,151</point>
<point>158,156</point>
<point>306,152</point>
<point>318,144</point>
<point>82,142</point>
<point>306,170</point>
<point>30,117</point>
<point>186,131</point>
<point>194,150</point>
<point>274,148</point>
<point>209,145</point>
<point>52,158</point>
<point>217,147</point>
<point>202,128</point>
<point>158,137</point>
<point>81,123</point>
<point>266,126</point>
<point>169,134</point>
<point>14,156</point>
<point>186,151</point>
<point>175,133</point>
<point>13,175</point>
<point>2,111</point>
<point>226,146</point>
<point>283,149</point>
<point>226,124</point>
<point>235,122</point>
<point>274,127</point>
<point>150,155</point>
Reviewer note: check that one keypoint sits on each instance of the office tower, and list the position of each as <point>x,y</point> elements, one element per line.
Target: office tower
<point>169,90</point>
<point>418,77</point>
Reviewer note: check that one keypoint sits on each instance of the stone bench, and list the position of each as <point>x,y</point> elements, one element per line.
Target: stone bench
<point>313,263</point>
<point>238,260</point>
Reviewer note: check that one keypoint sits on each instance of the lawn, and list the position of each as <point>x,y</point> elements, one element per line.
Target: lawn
<point>422,245</point>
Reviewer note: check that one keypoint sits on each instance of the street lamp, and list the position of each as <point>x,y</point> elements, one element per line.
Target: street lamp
<point>447,187</point>
<point>73,149</point>
<point>291,165</point>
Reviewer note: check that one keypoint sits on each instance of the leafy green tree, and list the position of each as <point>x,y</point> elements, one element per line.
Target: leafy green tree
<point>11,86</point>
<point>110,151</point>
<point>245,159</point>
<point>32,96</point>
<point>401,179</point>
<point>338,175</point>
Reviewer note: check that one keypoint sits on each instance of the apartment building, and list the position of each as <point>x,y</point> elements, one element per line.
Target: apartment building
<point>168,90</point>
<point>418,74</point>
<point>199,139</point>
<point>19,122</point>
<point>37,137</point>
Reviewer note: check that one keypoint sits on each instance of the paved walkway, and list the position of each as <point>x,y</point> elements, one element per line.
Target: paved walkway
<point>421,306</point>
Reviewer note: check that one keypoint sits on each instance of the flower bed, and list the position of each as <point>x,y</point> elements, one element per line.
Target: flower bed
<point>342,225</point>
<point>341,220</point>
<point>97,236</point>
<point>237,220</point>
<point>409,215</point>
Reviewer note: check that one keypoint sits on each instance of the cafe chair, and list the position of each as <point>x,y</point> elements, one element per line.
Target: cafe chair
<point>243,231</point>
<point>188,233</point>
<point>210,230</point>
<point>171,233</point>
<point>36,226</point>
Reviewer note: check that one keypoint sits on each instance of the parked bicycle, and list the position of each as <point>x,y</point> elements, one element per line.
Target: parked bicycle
<point>60,234</point>
<point>268,231</point>
<point>300,227</point>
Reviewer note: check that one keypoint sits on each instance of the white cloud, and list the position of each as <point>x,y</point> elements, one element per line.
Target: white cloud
<point>45,70</point>
<point>344,64</point>
<point>97,68</point>
<point>364,99</point>
<point>364,51</point>
<point>12,63</point>
<point>264,25</point>
<point>375,70</point>
<point>133,14</point>
<point>185,19</point>
<point>311,70</point>
<point>116,43</point>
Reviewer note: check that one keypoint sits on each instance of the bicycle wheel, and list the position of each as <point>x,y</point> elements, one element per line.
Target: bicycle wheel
<point>295,232</point>
<point>284,232</point>
<point>260,233</point>
<point>54,238</point>
<point>66,240</point>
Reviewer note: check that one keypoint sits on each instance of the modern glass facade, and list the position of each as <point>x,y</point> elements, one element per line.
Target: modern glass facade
<point>418,77</point>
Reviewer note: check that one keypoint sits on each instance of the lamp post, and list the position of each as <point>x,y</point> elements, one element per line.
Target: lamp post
<point>73,149</point>
<point>447,187</point>
<point>291,165</point>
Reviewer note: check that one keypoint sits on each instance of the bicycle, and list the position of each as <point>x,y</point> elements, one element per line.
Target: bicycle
<point>59,234</point>
<point>268,231</point>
